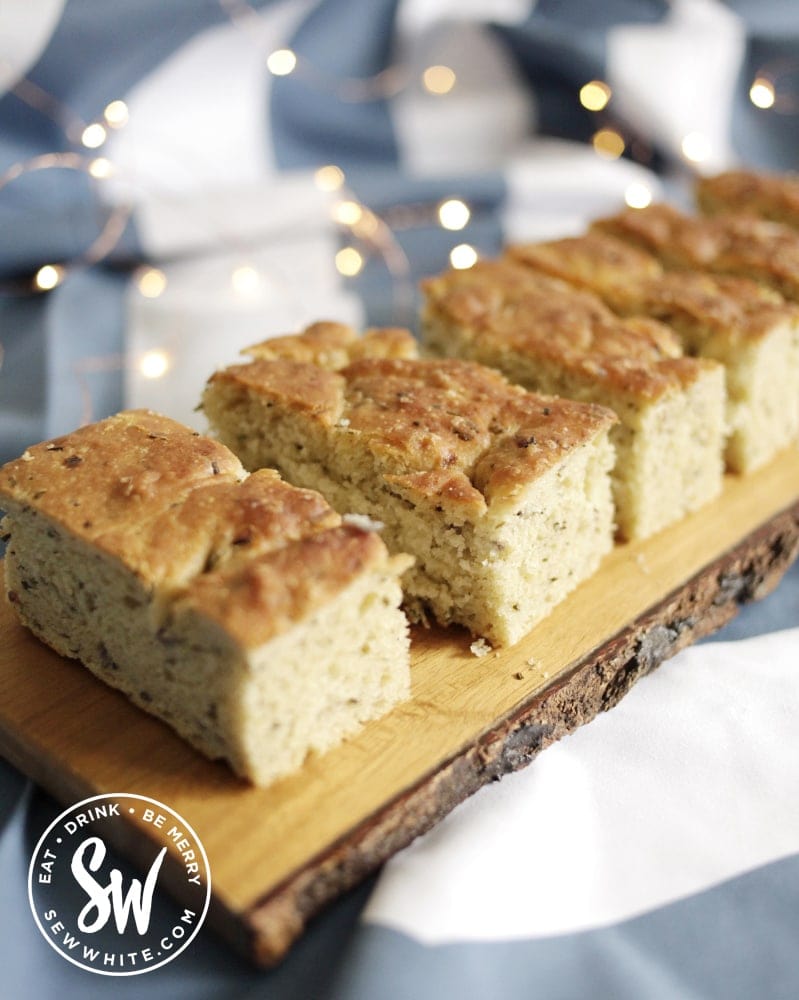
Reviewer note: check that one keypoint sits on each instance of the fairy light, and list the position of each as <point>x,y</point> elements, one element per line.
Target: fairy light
<point>281,62</point>
<point>154,364</point>
<point>695,147</point>
<point>93,136</point>
<point>453,214</point>
<point>101,168</point>
<point>637,195</point>
<point>116,114</point>
<point>245,280</point>
<point>151,282</point>
<point>462,257</point>
<point>349,262</point>
<point>439,80</point>
<point>595,95</point>
<point>761,93</point>
<point>608,143</point>
<point>48,277</point>
<point>347,213</point>
<point>329,178</point>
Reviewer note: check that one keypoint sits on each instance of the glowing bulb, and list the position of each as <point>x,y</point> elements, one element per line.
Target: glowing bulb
<point>329,178</point>
<point>281,62</point>
<point>761,93</point>
<point>608,143</point>
<point>695,147</point>
<point>48,277</point>
<point>349,262</point>
<point>151,282</point>
<point>453,214</point>
<point>116,114</point>
<point>154,364</point>
<point>348,213</point>
<point>638,195</point>
<point>438,80</point>
<point>245,280</point>
<point>101,168</point>
<point>93,135</point>
<point>463,256</point>
<point>594,95</point>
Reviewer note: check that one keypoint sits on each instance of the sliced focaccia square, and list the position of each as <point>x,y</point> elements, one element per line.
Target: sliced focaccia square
<point>552,338</point>
<point>746,326</point>
<point>502,496</point>
<point>238,609</point>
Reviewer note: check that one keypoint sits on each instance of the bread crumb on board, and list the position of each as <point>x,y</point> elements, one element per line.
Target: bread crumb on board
<point>480,647</point>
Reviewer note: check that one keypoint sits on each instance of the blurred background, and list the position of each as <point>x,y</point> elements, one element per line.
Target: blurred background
<point>180,179</point>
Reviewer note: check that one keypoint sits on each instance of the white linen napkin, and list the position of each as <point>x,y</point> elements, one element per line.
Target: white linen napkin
<point>689,781</point>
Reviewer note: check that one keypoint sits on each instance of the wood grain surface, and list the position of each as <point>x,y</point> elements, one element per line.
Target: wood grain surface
<point>278,855</point>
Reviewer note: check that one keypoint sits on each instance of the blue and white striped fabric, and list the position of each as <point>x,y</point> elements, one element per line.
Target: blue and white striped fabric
<point>654,853</point>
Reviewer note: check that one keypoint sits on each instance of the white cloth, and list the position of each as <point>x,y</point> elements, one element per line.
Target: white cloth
<point>691,780</point>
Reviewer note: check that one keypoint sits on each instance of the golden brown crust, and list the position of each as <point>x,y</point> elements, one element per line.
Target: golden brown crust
<point>216,524</point>
<point>770,196</point>
<point>736,308</point>
<point>730,244</point>
<point>177,509</point>
<point>550,316</point>
<point>300,385</point>
<point>444,489</point>
<point>593,261</point>
<point>506,307</point>
<point>677,239</point>
<point>439,429</point>
<point>257,599</point>
<point>301,370</point>
<point>632,283</point>
<point>334,345</point>
<point>107,473</point>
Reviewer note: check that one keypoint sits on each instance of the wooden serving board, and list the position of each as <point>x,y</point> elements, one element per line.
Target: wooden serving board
<point>278,855</point>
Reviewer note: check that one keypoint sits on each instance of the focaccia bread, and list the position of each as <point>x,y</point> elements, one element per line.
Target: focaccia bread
<point>746,326</point>
<point>502,497</point>
<point>549,337</point>
<point>242,611</point>
<point>770,196</point>
<point>741,245</point>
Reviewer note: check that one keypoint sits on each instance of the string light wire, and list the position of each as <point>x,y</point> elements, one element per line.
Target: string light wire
<point>383,85</point>
<point>112,229</point>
